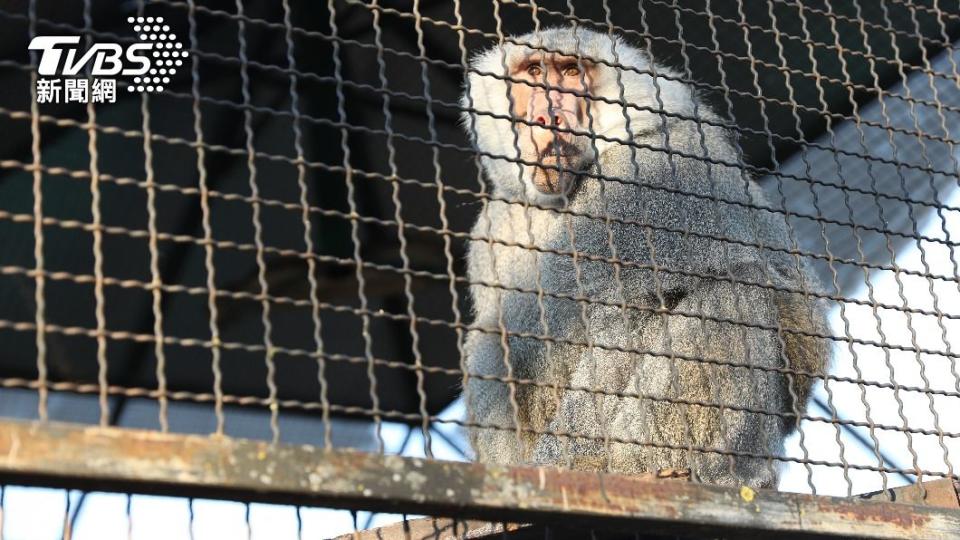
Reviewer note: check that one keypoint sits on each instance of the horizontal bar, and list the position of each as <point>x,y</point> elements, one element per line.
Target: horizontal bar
<point>112,459</point>
<point>944,493</point>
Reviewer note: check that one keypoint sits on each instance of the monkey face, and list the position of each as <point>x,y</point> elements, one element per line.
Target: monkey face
<point>557,100</point>
<point>551,115</point>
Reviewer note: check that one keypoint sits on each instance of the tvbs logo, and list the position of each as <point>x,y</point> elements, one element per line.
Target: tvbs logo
<point>68,75</point>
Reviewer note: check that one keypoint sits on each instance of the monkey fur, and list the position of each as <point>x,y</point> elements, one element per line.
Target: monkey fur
<point>683,349</point>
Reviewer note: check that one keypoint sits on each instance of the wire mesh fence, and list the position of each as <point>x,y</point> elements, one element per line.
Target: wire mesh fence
<point>712,241</point>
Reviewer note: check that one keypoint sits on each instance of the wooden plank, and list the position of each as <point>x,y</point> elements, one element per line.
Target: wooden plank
<point>944,493</point>
<point>64,455</point>
<point>435,529</point>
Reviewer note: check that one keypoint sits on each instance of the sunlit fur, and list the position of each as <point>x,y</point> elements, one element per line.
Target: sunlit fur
<point>681,279</point>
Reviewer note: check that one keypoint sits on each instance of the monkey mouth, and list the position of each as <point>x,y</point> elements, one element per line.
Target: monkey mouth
<point>560,149</point>
<point>551,181</point>
<point>560,164</point>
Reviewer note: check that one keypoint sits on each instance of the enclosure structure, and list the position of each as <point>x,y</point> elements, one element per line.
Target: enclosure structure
<point>251,283</point>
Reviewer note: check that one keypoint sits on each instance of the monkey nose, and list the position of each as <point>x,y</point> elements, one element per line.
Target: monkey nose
<point>556,119</point>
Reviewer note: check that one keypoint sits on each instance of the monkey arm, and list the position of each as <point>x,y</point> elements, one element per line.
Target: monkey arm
<point>493,433</point>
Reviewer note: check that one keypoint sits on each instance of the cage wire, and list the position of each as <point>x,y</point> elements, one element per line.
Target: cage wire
<point>272,247</point>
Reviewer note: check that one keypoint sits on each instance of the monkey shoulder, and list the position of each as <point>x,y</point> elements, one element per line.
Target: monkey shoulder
<point>689,218</point>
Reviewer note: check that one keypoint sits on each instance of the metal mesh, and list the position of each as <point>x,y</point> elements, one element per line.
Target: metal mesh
<point>134,516</point>
<point>274,246</point>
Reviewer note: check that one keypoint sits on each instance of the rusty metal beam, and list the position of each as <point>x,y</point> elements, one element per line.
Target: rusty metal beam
<point>93,458</point>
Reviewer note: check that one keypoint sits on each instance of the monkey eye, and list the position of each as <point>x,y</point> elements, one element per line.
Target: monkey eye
<point>534,70</point>
<point>571,70</point>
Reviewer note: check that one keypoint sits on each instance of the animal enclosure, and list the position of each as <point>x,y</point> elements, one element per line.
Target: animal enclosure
<point>251,281</point>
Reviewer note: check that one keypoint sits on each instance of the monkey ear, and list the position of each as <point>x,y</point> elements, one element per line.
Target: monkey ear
<point>479,84</point>
<point>486,115</point>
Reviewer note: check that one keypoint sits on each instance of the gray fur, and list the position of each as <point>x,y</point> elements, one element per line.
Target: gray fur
<point>664,429</point>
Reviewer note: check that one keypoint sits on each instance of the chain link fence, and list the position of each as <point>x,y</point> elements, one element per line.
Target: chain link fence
<point>240,265</point>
